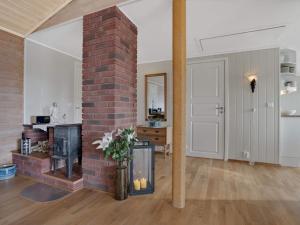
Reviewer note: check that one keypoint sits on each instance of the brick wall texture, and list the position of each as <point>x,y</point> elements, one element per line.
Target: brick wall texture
<point>11,94</point>
<point>38,168</point>
<point>35,135</point>
<point>109,88</point>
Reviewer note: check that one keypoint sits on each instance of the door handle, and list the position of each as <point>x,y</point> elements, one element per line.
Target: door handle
<point>221,109</point>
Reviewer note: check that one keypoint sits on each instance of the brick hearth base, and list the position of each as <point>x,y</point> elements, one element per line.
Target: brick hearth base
<point>37,166</point>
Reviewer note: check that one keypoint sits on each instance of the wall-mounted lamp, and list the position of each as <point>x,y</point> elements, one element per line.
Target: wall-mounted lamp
<point>252,78</point>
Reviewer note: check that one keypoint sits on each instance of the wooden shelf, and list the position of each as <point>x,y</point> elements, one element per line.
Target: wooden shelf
<point>289,74</point>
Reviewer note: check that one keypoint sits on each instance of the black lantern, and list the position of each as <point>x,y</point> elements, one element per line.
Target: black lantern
<point>142,169</point>
<point>252,79</point>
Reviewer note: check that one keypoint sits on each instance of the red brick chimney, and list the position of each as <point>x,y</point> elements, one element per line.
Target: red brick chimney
<point>109,88</point>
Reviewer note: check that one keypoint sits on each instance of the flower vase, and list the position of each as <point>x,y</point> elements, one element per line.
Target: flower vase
<point>121,183</point>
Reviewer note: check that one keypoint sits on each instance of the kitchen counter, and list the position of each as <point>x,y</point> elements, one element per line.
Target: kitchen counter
<point>45,126</point>
<point>291,116</point>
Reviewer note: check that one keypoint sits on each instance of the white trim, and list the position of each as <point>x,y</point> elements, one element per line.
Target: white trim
<point>24,82</point>
<point>289,161</point>
<point>277,93</point>
<point>226,98</point>
<point>124,4</point>
<point>214,54</point>
<point>11,32</point>
<point>54,49</point>
<point>227,113</point>
<point>58,25</point>
<point>129,2</point>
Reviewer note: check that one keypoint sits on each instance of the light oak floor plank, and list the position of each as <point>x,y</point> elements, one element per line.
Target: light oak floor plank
<point>218,193</point>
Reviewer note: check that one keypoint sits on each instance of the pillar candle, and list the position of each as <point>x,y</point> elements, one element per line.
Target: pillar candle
<point>144,183</point>
<point>137,184</point>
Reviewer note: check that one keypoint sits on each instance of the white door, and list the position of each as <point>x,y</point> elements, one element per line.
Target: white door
<point>205,109</point>
<point>78,92</point>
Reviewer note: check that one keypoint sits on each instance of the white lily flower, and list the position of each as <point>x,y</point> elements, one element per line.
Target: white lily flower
<point>130,137</point>
<point>119,132</point>
<point>100,146</point>
<point>108,136</point>
<point>97,142</point>
<point>104,143</point>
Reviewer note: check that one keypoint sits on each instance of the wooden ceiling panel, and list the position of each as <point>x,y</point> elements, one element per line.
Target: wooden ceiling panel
<point>22,17</point>
<point>78,8</point>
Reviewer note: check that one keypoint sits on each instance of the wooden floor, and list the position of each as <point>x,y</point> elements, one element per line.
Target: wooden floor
<point>219,193</point>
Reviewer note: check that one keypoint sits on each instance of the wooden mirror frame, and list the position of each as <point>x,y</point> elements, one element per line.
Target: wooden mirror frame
<point>164,75</point>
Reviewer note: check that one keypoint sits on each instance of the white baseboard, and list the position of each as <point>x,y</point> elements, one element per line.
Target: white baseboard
<point>290,161</point>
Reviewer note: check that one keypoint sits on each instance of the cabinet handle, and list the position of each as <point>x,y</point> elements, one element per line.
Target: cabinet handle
<point>157,131</point>
<point>156,139</point>
<point>145,131</point>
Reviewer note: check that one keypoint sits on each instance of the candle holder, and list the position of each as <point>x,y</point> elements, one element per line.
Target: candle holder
<point>142,169</point>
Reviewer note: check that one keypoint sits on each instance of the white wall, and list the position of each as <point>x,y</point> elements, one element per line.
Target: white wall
<point>290,141</point>
<point>48,78</point>
<point>265,132</point>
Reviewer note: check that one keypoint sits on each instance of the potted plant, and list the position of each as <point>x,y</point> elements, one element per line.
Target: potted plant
<point>117,147</point>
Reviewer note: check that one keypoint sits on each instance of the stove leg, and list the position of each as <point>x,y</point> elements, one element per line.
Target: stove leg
<point>69,165</point>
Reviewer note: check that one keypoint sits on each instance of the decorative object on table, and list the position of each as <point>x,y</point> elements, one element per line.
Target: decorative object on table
<point>40,119</point>
<point>288,112</point>
<point>289,87</point>
<point>7,171</point>
<point>154,123</point>
<point>288,62</point>
<point>26,146</point>
<point>118,148</point>
<point>142,168</point>
<point>67,146</point>
<point>54,113</point>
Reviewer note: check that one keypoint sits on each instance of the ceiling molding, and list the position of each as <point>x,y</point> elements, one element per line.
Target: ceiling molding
<point>128,2</point>
<point>54,49</point>
<point>12,32</point>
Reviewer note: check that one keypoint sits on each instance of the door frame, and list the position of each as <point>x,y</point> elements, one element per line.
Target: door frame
<point>226,99</point>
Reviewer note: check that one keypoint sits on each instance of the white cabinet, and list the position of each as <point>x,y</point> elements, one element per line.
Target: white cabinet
<point>290,141</point>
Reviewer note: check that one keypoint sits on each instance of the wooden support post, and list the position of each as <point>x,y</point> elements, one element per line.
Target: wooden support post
<point>179,102</point>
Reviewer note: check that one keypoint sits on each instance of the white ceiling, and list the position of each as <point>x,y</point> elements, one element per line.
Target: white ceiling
<point>65,38</point>
<point>205,19</point>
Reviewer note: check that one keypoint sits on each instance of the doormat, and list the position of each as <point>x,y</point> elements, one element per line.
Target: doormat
<point>43,193</point>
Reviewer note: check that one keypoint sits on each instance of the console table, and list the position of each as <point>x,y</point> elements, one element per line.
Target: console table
<point>159,136</point>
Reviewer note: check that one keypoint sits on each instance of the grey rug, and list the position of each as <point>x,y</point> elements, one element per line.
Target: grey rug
<point>43,193</point>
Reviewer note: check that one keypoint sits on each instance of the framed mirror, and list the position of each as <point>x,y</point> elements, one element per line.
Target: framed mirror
<point>156,96</point>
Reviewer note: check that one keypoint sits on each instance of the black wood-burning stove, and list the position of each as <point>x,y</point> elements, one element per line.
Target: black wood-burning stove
<point>67,146</point>
<point>142,169</point>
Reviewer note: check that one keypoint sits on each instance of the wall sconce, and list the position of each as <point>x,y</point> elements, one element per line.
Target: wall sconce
<point>252,78</point>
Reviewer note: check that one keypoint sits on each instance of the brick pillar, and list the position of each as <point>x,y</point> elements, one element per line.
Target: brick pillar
<point>109,88</point>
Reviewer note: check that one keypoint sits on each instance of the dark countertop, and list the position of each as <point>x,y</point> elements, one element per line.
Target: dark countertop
<point>291,116</point>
